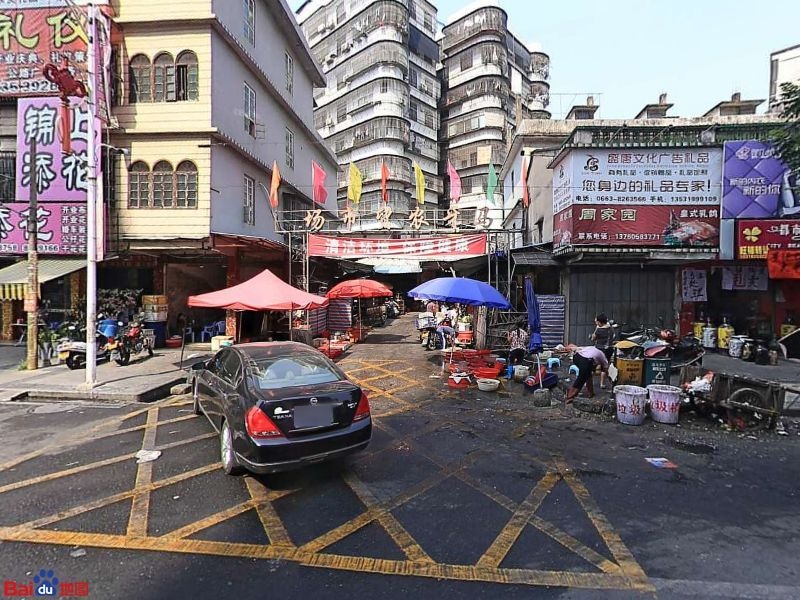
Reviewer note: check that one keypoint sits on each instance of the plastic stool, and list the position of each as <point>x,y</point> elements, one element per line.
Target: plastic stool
<point>553,362</point>
<point>574,369</point>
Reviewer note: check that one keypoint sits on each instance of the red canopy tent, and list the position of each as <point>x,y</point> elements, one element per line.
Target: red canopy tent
<point>265,291</point>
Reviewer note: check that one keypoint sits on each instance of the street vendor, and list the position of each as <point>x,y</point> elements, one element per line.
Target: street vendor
<point>445,331</point>
<point>586,359</point>
<point>432,307</point>
<point>518,343</point>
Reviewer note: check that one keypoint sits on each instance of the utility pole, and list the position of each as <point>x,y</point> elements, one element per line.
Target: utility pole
<point>32,293</point>
<point>91,208</point>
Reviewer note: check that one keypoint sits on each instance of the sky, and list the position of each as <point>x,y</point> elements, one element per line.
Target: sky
<point>627,52</point>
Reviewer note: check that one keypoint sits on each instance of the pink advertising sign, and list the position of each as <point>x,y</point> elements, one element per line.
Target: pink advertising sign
<point>61,228</point>
<point>60,177</point>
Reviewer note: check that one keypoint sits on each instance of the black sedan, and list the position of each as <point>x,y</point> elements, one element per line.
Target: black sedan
<point>279,406</point>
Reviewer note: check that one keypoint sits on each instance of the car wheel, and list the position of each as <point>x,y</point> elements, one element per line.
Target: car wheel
<point>74,362</point>
<point>196,400</point>
<point>230,464</point>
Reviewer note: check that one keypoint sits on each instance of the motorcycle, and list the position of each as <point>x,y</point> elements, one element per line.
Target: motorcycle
<point>661,342</point>
<point>131,342</point>
<point>72,349</point>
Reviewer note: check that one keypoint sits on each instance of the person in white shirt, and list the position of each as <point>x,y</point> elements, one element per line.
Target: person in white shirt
<point>586,359</point>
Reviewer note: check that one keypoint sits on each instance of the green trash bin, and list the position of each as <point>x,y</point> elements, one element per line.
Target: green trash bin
<point>656,371</point>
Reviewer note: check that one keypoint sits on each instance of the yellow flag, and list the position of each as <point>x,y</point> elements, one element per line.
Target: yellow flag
<point>419,177</point>
<point>354,184</point>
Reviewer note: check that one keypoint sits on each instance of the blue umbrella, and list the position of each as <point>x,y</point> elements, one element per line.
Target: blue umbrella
<point>461,290</point>
<point>534,320</point>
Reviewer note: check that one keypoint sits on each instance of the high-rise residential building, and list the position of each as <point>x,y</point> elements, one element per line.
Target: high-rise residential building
<point>784,66</point>
<point>380,105</point>
<point>491,82</point>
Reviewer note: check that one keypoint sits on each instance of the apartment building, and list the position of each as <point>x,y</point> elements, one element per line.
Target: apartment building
<point>210,94</point>
<point>784,66</point>
<point>380,101</point>
<point>491,82</point>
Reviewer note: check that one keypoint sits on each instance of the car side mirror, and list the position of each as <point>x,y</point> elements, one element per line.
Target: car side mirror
<point>198,366</point>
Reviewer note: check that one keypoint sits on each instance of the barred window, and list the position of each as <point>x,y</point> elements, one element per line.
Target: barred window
<point>139,185</point>
<point>163,77</point>
<point>187,77</point>
<point>186,185</point>
<point>162,185</point>
<point>140,73</point>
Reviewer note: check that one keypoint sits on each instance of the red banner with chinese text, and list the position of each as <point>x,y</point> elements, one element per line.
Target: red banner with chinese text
<point>636,225</point>
<point>443,247</point>
<point>756,237</point>
<point>32,38</point>
<point>783,264</point>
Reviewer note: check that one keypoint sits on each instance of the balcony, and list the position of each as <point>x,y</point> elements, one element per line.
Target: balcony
<point>539,67</point>
<point>495,86</point>
<point>382,128</point>
<point>488,20</point>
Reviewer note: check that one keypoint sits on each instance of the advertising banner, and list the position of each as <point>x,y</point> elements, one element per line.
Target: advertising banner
<point>443,248</point>
<point>752,279</point>
<point>784,264</point>
<point>61,228</point>
<point>60,177</point>
<point>652,197</point>
<point>756,237</point>
<point>694,288</point>
<point>756,183</point>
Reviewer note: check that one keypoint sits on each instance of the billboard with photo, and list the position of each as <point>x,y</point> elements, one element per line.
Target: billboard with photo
<point>642,197</point>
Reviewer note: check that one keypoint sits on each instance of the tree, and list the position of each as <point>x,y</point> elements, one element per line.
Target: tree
<point>787,136</point>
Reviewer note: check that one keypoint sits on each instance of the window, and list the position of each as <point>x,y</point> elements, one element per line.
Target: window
<point>428,21</point>
<point>162,185</point>
<point>289,74</point>
<point>384,86</point>
<point>166,80</point>
<point>341,112</point>
<point>429,118</point>
<point>466,60</point>
<point>289,148</point>
<point>139,75</point>
<point>8,185</point>
<point>249,110</point>
<point>163,71</point>
<point>186,185</point>
<point>249,204</point>
<point>412,77</point>
<point>412,111</point>
<point>139,185</point>
<point>250,21</point>
<point>186,77</point>
<point>412,10</point>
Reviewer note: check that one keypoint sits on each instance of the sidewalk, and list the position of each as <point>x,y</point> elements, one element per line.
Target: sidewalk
<point>143,380</point>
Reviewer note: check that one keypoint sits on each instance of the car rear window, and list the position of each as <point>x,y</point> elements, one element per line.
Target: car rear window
<point>293,371</point>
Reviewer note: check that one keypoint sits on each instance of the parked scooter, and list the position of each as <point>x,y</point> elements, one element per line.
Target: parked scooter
<point>661,343</point>
<point>130,342</point>
<point>72,350</point>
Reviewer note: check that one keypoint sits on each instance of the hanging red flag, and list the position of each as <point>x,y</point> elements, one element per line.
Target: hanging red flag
<point>318,175</point>
<point>455,182</point>
<point>384,179</point>
<point>273,188</point>
<point>525,198</point>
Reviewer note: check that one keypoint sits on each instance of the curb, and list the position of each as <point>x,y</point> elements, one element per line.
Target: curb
<point>150,395</point>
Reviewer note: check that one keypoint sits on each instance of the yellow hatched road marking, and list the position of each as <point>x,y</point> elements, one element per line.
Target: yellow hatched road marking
<point>270,521</point>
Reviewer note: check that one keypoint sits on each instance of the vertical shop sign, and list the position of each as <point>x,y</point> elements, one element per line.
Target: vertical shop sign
<point>694,285</point>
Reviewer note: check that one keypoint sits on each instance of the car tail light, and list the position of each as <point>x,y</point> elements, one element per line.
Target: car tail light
<point>259,425</point>
<point>362,411</point>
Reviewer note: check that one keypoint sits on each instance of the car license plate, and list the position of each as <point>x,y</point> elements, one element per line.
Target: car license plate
<point>312,416</point>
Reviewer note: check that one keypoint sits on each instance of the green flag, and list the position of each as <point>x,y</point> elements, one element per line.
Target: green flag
<point>491,183</point>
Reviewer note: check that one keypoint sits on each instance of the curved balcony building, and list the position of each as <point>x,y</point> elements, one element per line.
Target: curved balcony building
<point>381,101</point>
<point>490,82</point>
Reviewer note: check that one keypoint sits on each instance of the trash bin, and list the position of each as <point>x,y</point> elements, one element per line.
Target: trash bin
<point>159,330</point>
<point>631,401</point>
<point>629,371</point>
<point>665,403</point>
<point>656,371</point>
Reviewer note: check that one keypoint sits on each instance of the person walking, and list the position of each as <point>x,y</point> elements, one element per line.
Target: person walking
<point>603,338</point>
<point>432,307</point>
<point>586,359</point>
<point>518,342</point>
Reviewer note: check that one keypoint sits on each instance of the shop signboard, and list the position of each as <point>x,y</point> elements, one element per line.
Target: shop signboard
<point>641,197</point>
<point>61,228</point>
<point>442,247</point>
<point>784,264</point>
<point>756,237</point>
<point>756,183</point>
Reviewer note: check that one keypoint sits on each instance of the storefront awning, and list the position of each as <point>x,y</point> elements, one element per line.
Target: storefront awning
<point>392,266</point>
<point>14,278</point>
<point>534,259</point>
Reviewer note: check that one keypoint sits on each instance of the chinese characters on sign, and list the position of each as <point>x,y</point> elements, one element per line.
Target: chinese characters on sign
<point>61,228</point>
<point>755,238</point>
<point>753,279</point>
<point>756,183</point>
<point>33,37</point>
<point>60,177</point>
<point>656,197</point>
<point>694,285</point>
<point>463,246</point>
<point>314,220</point>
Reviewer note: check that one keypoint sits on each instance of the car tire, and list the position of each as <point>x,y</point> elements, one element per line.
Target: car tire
<point>74,362</point>
<point>196,400</point>
<point>230,464</point>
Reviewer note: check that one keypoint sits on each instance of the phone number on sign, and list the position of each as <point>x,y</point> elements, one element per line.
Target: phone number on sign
<point>31,86</point>
<point>639,236</point>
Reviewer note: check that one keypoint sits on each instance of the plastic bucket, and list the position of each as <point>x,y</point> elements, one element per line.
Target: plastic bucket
<point>656,371</point>
<point>709,338</point>
<point>631,402</point>
<point>665,403</point>
<point>735,345</point>
<point>521,372</point>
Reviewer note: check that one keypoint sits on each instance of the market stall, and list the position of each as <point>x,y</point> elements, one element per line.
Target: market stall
<point>359,289</point>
